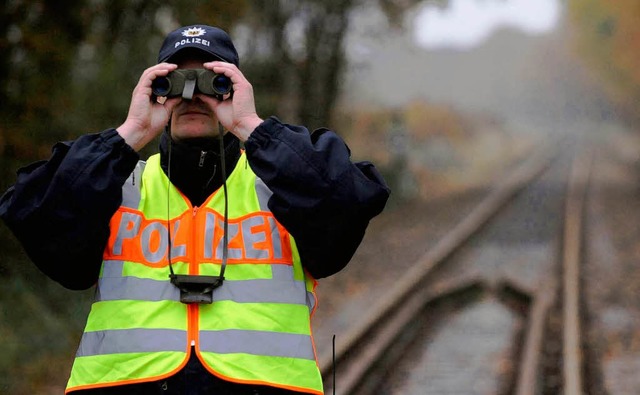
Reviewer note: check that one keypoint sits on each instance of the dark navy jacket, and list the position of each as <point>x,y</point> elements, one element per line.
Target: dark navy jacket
<point>60,209</point>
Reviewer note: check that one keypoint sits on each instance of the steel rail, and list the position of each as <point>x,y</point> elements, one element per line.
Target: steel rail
<point>572,337</point>
<point>517,180</point>
<point>528,372</point>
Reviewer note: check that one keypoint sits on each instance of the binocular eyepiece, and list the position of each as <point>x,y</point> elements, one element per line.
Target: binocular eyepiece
<point>186,82</point>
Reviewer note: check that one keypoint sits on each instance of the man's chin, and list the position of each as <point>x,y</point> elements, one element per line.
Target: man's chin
<point>194,133</point>
<point>194,127</point>
<point>195,114</point>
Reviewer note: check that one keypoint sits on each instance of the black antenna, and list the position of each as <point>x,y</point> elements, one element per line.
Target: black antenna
<point>334,363</point>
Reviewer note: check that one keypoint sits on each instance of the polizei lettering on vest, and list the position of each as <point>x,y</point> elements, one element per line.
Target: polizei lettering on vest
<point>255,238</point>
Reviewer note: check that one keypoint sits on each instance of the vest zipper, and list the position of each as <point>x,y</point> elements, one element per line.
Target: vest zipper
<point>192,315</point>
<point>193,265</point>
<point>192,312</point>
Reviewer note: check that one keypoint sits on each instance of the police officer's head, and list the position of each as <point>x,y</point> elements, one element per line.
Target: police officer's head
<point>208,42</point>
<point>189,47</point>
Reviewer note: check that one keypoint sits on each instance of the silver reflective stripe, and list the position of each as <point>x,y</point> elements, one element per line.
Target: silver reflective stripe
<point>264,194</point>
<point>131,187</point>
<point>112,268</point>
<point>311,301</point>
<point>282,272</point>
<point>261,291</point>
<point>118,341</point>
<point>133,288</point>
<point>240,291</point>
<point>285,273</point>
<point>273,344</point>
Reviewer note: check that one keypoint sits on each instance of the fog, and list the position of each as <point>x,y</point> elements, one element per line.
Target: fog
<point>522,71</point>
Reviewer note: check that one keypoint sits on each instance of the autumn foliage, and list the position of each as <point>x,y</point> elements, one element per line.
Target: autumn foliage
<point>607,34</point>
<point>427,150</point>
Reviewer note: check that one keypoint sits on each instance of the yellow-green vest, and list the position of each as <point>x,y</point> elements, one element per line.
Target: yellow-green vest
<point>256,331</point>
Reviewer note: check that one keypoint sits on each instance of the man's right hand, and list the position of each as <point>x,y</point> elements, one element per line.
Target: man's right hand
<point>147,116</point>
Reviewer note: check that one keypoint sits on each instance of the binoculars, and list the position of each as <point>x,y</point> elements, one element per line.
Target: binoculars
<point>185,82</point>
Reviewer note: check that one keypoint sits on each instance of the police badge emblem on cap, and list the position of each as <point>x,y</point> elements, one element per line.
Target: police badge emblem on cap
<point>212,40</point>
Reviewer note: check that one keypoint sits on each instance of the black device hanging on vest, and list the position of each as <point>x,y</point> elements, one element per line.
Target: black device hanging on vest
<point>197,288</point>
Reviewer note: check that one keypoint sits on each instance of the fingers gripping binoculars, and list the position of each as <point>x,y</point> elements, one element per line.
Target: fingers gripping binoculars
<point>186,82</point>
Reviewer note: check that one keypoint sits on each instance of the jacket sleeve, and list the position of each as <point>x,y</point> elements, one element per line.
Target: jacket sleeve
<point>323,199</point>
<point>59,209</point>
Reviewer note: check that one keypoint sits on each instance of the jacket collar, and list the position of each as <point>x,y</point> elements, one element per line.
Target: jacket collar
<point>196,164</point>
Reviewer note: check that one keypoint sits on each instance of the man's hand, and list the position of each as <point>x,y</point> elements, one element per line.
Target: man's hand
<point>237,115</point>
<point>147,116</point>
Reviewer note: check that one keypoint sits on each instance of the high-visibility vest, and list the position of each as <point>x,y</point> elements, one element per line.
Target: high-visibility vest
<point>258,328</point>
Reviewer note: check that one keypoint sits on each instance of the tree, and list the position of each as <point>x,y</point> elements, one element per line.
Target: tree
<point>607,34</point>
<point>296,53</point>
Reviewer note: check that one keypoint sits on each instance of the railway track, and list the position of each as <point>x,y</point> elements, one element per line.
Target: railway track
<point>363,359</point>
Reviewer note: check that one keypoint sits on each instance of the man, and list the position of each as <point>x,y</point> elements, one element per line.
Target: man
<point>205,256</point>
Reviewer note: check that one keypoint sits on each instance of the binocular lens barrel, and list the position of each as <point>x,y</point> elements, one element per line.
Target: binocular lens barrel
<point>161,86</point>
<point>221,84</point>
<point>186,82</point>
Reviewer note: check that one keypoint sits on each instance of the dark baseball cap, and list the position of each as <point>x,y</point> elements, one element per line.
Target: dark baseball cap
<point>209,39</point>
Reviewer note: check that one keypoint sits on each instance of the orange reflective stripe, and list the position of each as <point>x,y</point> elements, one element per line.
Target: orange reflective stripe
<point>256,238</point>
<point>253,238</point>
<point>137,239</point>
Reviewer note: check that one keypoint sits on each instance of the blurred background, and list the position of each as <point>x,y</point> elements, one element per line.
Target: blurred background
<point>439,94</point>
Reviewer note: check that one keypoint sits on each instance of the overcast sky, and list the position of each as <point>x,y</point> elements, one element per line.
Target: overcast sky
<point>467,23</point>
